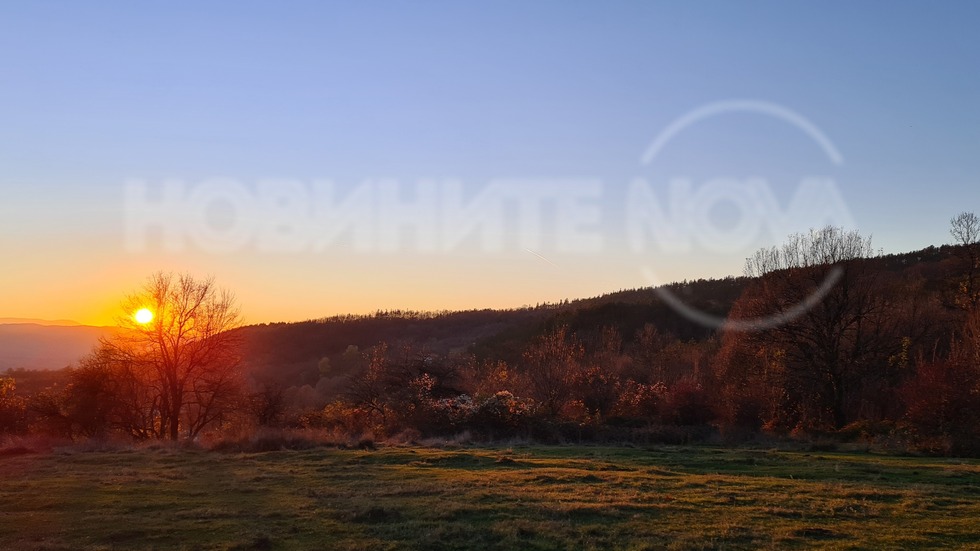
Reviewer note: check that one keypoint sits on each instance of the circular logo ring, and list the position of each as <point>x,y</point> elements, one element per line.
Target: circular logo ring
<point>794,119</point>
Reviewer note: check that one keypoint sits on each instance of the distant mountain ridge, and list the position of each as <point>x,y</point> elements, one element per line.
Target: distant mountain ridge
<point>34,321</point>
<point>44,347</point>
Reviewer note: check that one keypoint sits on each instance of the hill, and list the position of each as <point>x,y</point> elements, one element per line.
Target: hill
<point>289,353</point>
<point>45,347</point>
<point>6,321</point>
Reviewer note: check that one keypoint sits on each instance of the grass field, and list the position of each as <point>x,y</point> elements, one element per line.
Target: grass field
<point>486,498</point>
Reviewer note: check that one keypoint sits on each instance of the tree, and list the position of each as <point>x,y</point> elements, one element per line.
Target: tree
<point>268,405</point>
<point>965,229</point>
<point>92,400</point>
<point>12,407</point>
<point>184,363</point>
<point>596,385</point>
<point>648,352</point>
<point>323,367</point>
<point>831,328</point>
<point>369,390</point>
<point>552,363</point>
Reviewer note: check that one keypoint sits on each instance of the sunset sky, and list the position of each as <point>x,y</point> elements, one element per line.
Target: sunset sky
<point>549,105</point>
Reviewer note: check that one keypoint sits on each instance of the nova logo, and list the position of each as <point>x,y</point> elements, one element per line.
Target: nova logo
<point>678,218</point>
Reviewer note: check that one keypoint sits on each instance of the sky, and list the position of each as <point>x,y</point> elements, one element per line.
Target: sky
<point>323,158</point>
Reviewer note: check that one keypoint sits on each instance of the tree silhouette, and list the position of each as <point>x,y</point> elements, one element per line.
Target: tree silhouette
<point>185,361</point>
<point>830,356</point>
<point>965,229</point>
<point>11,407</point>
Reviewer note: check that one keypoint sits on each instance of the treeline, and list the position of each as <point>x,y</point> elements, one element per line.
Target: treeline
<point>289,354</point>
<point>826,340</point>
<point>823,339</point>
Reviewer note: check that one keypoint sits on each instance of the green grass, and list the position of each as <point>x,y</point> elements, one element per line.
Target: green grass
<point>487,498</point>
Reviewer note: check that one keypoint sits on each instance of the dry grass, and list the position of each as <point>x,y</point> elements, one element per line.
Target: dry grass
<point>492,498</point>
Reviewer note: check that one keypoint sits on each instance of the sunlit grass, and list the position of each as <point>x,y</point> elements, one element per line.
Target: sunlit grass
<point>519,498</point>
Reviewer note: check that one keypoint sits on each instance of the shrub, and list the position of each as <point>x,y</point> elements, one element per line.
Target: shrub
<point>502,415</point>
<point>639,400</point>
<point>441,416</point>
<point>341,419</point>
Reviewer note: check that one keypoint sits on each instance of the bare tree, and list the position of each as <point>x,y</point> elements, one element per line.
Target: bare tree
<point>965,229</point>
<point>824,247</point>
<point>184,363</point>
<point>830,357</point>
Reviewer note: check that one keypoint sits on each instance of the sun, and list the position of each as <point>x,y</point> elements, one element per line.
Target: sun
<point>143,316</point>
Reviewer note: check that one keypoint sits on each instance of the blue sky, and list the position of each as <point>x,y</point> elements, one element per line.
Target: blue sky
<point>92,94</point>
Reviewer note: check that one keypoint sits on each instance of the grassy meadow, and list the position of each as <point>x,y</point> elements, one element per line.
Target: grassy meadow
<point>486,498</point>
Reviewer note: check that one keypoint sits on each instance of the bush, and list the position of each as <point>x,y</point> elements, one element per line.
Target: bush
<point>865,431</point>
<point>342,419</point>
<point>438,417</point>
<point>502,415</point>
<point>639,401</point>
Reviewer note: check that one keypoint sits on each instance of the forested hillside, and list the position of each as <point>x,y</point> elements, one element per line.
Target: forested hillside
<point>822,336</point>
<point>289,353</point>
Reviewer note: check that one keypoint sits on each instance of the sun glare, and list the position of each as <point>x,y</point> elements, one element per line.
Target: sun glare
<point>143,315</point>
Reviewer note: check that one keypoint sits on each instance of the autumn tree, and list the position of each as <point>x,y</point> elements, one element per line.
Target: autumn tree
<point>93,401</point>
<point>182,366</point>
<point>751,379</point>
<point>596,385</point>
<point>552,363</point>
<point>650,363</point>
<point>965,229</point>
<point>268,405</point>
<point>819,323</point>
<point>369,390</point>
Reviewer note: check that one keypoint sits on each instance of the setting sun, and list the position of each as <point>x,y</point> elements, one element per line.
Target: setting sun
<point>143,315</point>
